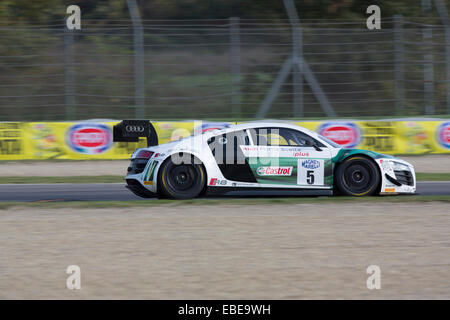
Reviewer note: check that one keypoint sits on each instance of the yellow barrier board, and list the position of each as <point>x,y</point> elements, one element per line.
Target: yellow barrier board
<point>14,144</point>
<point>89,140</point>
<point>390,137</point>
<point>93,140</point>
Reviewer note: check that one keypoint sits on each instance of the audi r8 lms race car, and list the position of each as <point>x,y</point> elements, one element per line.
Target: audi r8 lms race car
<point>257,156</point>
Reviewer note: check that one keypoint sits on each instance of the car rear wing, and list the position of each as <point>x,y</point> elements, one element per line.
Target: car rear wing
<point>132,130</point>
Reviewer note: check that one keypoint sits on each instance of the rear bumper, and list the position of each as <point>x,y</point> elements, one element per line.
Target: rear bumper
<point>138,189</point>
<point>136,166</point>
<point>141,178</point>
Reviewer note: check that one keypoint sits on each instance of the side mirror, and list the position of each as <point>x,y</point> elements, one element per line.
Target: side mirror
<point>312,143</point>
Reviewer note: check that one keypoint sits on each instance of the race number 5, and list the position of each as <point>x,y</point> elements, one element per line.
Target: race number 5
<point>310,172</point>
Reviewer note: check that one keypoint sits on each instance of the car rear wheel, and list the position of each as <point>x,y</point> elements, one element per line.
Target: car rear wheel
<point>181,181</point>
<point>357,176</point>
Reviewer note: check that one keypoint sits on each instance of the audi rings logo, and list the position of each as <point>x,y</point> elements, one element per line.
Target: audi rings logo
<point>136,129</point>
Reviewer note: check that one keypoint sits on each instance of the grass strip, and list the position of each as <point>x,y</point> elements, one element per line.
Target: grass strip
<point>224,201</point>
<point>112,179</point>
<point>422,176</point>
<point>63,179</point>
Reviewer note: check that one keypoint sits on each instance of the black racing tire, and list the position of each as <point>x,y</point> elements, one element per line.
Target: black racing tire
<point>357,176</point>
<point>181,181</point>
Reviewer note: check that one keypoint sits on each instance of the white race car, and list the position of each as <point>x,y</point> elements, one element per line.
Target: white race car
<point>257,156</point>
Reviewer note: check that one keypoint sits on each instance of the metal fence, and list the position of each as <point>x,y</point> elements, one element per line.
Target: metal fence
<point>224,69</point>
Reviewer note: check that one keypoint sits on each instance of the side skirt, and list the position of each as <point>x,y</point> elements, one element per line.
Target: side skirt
<point>255,191</point>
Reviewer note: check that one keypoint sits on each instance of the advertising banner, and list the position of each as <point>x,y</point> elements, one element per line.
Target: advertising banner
<point>390,137</point>
<point>93,140</point>
<point>13,141</point>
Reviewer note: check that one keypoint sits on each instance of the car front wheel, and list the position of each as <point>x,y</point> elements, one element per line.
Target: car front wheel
<point>357,176</point>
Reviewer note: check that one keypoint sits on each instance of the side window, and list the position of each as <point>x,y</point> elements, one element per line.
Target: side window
<point>236,137</point>
<point>297,138</point>
<point>225,147</point>
<point>268,137</point>
<point>240,137</point>
<point>282,137</point>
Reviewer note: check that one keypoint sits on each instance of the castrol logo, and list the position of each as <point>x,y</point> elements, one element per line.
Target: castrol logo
<point>274,171</point>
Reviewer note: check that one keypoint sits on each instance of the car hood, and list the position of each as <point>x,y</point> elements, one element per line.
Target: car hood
<point>344,153</point>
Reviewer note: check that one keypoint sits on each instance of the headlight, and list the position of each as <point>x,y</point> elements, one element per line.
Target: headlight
<point>400,166</point>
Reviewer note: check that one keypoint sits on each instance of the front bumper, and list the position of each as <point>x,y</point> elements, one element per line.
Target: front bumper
<point>397,176</point>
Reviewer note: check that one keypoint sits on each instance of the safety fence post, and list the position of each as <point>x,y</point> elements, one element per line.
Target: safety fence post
<point>235,67</point>
<point>399,65</point>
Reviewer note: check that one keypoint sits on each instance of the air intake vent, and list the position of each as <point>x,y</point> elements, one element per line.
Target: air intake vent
<point>404,177</point>
<point>137,166</point>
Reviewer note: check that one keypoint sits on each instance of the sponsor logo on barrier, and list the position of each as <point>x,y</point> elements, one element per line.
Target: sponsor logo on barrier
<point>211,126</point>
<point>274,171</point>
<point>89,138</point>
<point>443,135</point>
<point>310,164</point>
<point>346,134</point>
<point>11,139</point>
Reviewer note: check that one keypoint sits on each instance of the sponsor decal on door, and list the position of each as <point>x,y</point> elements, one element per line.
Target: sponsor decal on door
<point>274,171</point>
<point>310,172</point>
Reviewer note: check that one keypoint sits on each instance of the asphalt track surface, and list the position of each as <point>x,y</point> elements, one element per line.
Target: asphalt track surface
<point>118,192</point>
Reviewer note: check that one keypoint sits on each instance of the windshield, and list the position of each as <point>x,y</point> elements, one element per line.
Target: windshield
<point>331,142</point>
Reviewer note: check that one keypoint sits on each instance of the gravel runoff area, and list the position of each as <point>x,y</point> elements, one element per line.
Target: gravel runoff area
<point>291,251</point>
<point>427,164</point>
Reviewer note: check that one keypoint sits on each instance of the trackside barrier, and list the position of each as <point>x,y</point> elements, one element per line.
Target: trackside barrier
<point>93,140</point>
